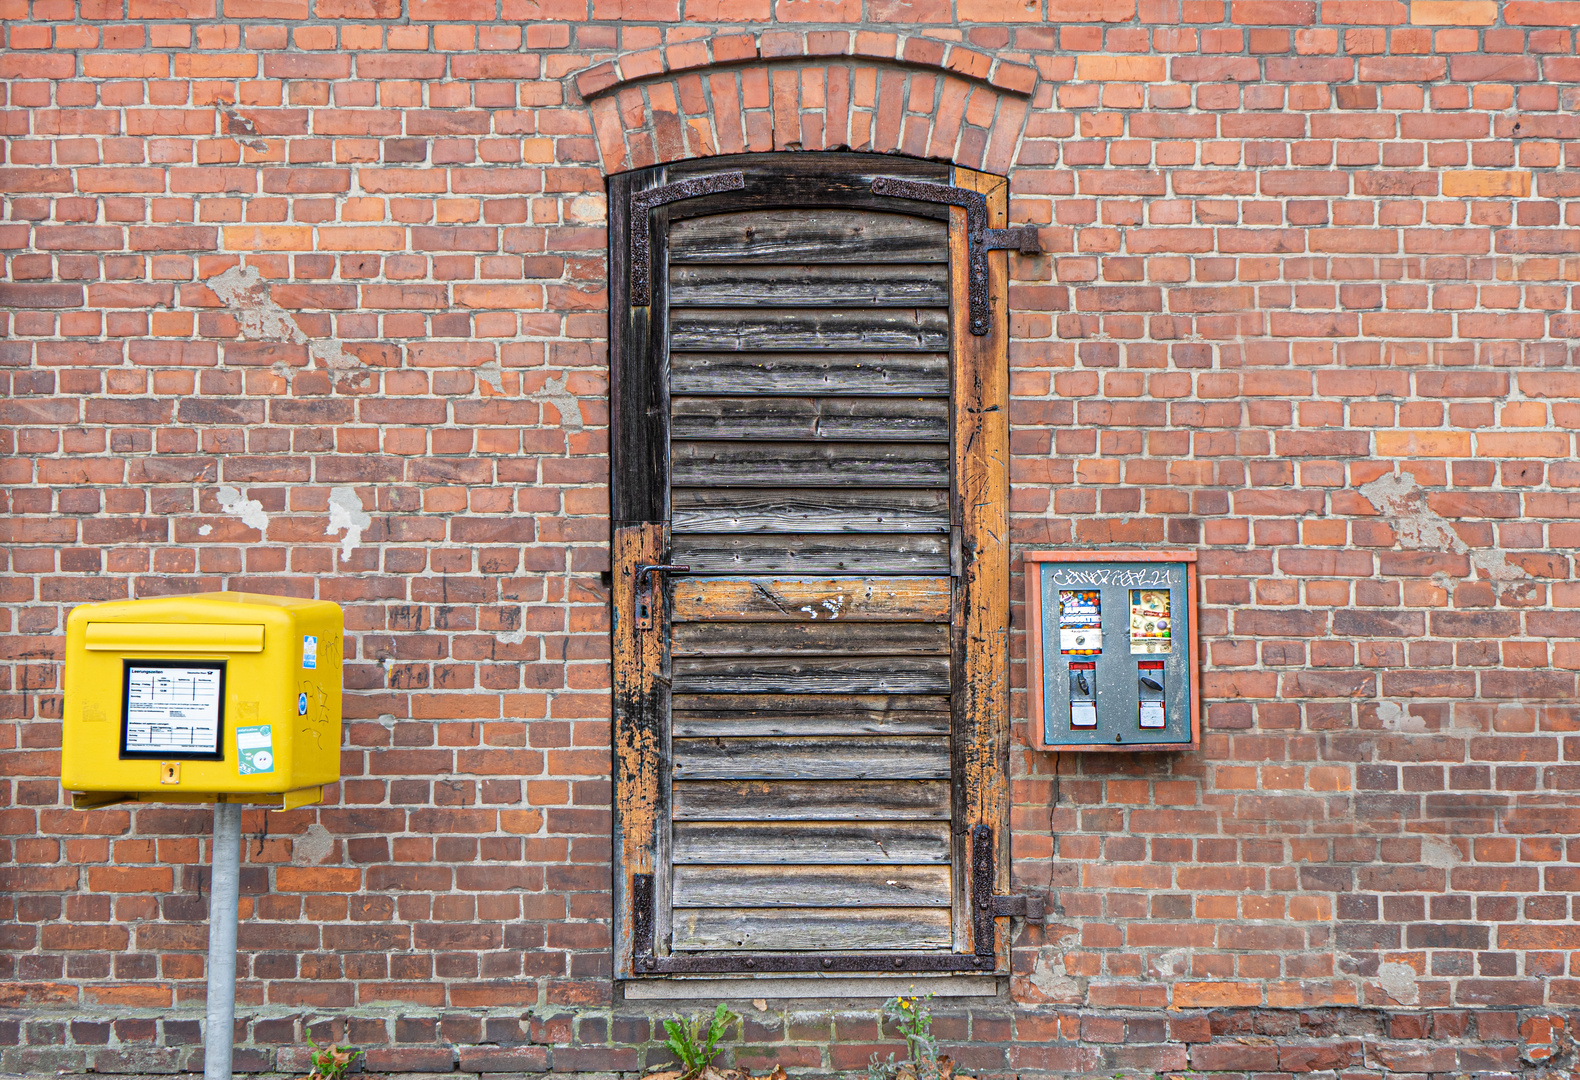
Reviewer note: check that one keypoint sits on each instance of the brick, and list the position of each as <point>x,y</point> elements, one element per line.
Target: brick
<point>1476,184</point>
<point>1100,68</point>
<point>1453,12</point>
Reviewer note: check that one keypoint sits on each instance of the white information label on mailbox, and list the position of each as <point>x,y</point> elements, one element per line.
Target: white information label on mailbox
<point>173,709</point>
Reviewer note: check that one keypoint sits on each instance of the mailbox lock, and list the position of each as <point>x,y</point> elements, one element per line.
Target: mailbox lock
<point>170,772</point>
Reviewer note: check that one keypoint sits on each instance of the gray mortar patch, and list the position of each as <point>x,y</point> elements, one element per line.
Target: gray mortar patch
<point>1418,527</point>
<point>554,393</point>
<point>259,318</point>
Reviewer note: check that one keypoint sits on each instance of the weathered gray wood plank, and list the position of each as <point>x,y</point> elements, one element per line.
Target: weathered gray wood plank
<point>795,235</point>
<point>809,373</point>
<point>833,843</point>
<point>776,675</point>
<point>735,330</point>
<point>811,800</point>
<point>775,599</point>
<point>885,418</point>
<point>810,929</point>
<point>872,757</point>
<point>819,553</point>
<point>811,886</point>
<point>798,639</point>
<point>827,510</point>
<point>810,464</point>
<point>802,285</point>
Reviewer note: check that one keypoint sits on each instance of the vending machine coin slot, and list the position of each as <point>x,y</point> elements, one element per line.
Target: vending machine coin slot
<point>1083,695</point>
<point>1150,682</point>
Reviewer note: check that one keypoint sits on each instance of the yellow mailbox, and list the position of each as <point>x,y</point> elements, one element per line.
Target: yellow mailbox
<point>220,697</point>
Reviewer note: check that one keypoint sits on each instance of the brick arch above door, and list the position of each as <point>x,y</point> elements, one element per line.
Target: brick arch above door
<point>815,90</point>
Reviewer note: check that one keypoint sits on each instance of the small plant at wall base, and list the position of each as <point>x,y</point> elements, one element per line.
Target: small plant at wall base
<point>912,1018</point>
<point>331,1062</point>
<point>696,1049</point>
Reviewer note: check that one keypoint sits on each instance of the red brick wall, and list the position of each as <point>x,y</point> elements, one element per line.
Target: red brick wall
<point>307,296</point>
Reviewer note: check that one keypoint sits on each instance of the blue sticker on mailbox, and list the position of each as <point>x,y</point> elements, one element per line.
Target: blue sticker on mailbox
<point>301,704</point>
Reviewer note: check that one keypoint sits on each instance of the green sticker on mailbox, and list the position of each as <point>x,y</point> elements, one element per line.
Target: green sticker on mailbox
<point>255,750</point>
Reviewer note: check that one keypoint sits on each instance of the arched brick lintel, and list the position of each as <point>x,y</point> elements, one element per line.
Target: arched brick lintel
<point>811,91</point>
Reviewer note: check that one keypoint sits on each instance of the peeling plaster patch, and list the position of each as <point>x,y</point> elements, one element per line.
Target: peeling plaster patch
<point>1420,528</point>
<point>1171,964</point>
<point>313,846</point>
<point>1439,853</point>
<point>204,530</point>
<point>250,511</point>
<point>1398,982</point>
<point>1395,718</point>
<point>261,319</point>
<point>237,126</point>
<point>346,514</point>
<point>518,635</point>
<point>1049,977</point>
<point>589,209</point>
<point>554,393</point>
<point>491,374</point>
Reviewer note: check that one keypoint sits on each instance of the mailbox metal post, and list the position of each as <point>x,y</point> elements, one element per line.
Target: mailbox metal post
<point>219,1035</point>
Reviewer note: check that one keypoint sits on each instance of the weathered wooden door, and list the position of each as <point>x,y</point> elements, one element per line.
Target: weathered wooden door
<point>809,418</point>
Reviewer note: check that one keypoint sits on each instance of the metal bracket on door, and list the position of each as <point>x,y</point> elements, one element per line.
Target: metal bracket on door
<point>644,202</point>
<point>644,589</point>
<point>985,904</point>
<point>979,238</point>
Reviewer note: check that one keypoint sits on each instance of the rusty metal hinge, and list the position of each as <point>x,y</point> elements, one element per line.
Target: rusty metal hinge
<point>641,902</point>
<point>979,238</point>
<point>644,202</point>
<point>986,905</point>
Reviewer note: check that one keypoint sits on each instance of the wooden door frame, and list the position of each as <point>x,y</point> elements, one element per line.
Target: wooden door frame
<point>640,512</point>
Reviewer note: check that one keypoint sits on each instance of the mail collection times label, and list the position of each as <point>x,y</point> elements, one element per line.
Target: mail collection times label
<point>173,709</point>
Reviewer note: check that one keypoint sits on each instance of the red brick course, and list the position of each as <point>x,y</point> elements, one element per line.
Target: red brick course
<point>1307,306</point>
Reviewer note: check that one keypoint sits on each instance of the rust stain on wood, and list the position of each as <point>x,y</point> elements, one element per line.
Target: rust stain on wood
<point>638,661</point>
<point>981,603</point>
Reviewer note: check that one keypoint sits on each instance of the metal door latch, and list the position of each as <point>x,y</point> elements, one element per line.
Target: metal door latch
<point>644,590</point>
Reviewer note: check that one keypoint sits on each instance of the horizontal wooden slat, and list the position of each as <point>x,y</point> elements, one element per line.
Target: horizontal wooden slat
<point>810,929</point>
<point>822,235</point>
<point>820,675</point>
<point>824,510</point>
<point>882,418</point>
<point>808,638</point>
<point>765,715</point>
<point>772,599</point>
<point>819,553</point>
<point>801,285</point>
<point>809,373</point>
<point>810,464</point>
<point>826,842</point>
<point>811,886</point>
<point>895,757</point>
<point>737,330</point>
<point>810,800</point>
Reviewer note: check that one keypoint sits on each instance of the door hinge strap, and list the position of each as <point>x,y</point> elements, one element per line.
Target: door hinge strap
<point>979,238</point>
<point>986,905</point>
<point>644,202</point>
<point>642,903</point>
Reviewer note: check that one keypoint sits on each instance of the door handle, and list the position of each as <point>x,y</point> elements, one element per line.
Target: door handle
<point>644,589</point>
